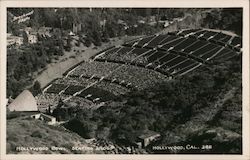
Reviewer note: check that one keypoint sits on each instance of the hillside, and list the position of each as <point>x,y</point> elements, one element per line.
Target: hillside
<point>179,89</point>
<point>27,133</point>
<point>185,111</point>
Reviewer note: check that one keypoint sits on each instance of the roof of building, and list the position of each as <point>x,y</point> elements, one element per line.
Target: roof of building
<point>148,134</point>
<point>44,30</point>
<point>13,37</point>
<point>48,116</point>
<point>24,102</point>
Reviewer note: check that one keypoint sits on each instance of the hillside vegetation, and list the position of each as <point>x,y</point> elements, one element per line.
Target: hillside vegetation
<point>27,132</point>
<point>188,106</point>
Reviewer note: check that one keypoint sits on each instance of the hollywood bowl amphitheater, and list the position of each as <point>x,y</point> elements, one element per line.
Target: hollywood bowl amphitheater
<point>139,64</point>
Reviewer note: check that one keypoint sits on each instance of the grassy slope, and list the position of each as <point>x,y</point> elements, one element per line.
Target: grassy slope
<point>27,132</point>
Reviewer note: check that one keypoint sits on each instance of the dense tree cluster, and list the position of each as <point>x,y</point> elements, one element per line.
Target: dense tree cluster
<point>24,62</point>
<point>224,19</point>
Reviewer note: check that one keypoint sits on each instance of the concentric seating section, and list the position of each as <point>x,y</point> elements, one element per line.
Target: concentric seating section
<point>184,44</point>
<point>218,36</point>
<point>172,43</point>
<point>114,88</point>
<point>173,62</point>
<point>236,41</point>
<point>121,51</point>
<point>144,41</point>
<point>208,34</point>
<point>204,49</point>
<point>94,68</point>
<point>156,56</point>
<point>168,39</point>
<point>56,88</point>
<point>138,77</point>
<point>199,34</point>
<point>77,89</point>
<point>167,57</point>
<point>75,80</point>
<point>71,90</point>
<point>188,31</point>
<point>182,65</point>
<point>126,54</point>
<point>109,52</point>
<point>97,94</point>
<point>132,42</point>
<point>226,39</point>
<point>156,41</point>
<point>196,46</point>
<point>225,54</point>
<point>186,69</point>
<point>209,54</point>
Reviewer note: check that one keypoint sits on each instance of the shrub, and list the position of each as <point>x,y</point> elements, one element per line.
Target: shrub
<point>37,134</point>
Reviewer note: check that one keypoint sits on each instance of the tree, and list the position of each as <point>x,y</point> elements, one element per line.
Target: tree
<point>36,89</point>
<point>68,45</point>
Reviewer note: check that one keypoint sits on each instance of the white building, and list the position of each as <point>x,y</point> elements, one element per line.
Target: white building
<point>32,38</point>
<point>148,137</point>
<point>30,35</point>
<point>14,40</point>
<point>50,120</point>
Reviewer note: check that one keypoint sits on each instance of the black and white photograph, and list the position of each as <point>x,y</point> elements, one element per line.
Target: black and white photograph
<point>124,80</point>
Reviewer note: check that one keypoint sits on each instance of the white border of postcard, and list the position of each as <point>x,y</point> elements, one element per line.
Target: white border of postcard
<point>127,3</point>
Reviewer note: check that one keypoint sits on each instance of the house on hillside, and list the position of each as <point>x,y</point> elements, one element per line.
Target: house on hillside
<point>76,27</point>
<point>50,120</point>
<point>103,23</point>
<point>14,40</point>
<point>44,31</point>
<point>56,31</point>
<point>32,38</point>
<point>122,23</point>
<point>165,23</point>
<point>146,138</point>
<point>30,35</point>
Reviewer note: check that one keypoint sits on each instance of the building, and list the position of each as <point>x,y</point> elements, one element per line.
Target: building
<point>147,137</point>
<point>57,32</point>
<point>24,102</point>
<point>32,38</point>
<point>165,23</point>
<point>123,24</point>
<point>14,40</point>
<point>50,120</point>
<point>36,115</point>
<point>30,35</point>
<point>77,27</point>
<point>44,31</point>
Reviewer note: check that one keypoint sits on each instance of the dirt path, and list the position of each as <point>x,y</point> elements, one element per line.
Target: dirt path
<point>55,70</point>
